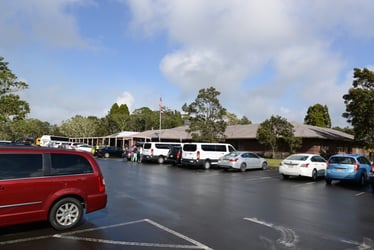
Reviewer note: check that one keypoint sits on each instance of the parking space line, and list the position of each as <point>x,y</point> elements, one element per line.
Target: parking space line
<point>72,236</point>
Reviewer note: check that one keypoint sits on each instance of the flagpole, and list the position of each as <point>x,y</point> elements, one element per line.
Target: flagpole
<point>159,132</point>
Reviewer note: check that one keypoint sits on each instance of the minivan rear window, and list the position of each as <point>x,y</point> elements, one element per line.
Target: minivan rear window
<point>16,166</point>
<point>67,164</point>
<point>190,147</point>
<point>147,145</point>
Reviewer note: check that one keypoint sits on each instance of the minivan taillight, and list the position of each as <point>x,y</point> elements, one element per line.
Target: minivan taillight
<point>101,182</point>
<point>198,155</point>
<point>152,152</point>
<point>356,167</point>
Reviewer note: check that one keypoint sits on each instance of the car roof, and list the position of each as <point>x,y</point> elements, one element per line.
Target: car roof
<point>33,149</point>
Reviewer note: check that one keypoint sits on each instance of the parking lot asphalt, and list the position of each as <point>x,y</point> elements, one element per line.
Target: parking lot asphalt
<point>152,206</point>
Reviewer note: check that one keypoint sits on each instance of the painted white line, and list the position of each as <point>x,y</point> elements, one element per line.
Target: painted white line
<point>288,236</point>
<point>128,243</point>
<point>71,236</point>
<point>367,243</point>
<point>359,194</point>
<point>178,234</point>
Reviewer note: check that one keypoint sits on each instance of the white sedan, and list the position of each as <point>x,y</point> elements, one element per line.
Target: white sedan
<point>84,147</point>
<point>308,165</point>
<point>242,160</point>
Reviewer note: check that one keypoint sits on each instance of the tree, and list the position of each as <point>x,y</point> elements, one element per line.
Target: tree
<point>206,116</point>
<point>80,126</point>
<point>12,107</point>
<point>360,106</point>
<point>318,115</point>
<point>273,130</point>
<point>117,118</point>
<point>232,119</point>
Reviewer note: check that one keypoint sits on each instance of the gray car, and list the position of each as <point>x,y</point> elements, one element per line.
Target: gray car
<point>242,160</point>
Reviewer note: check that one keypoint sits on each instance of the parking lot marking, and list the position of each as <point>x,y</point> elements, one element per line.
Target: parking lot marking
<point>197,245</point>
<point>288,236</point>
<point>72,236</point>
<point>359,194</point>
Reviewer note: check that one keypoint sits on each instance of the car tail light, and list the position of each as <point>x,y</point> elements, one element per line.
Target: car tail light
<point>356,166</point>
<point>372,168</point>
<point>101,183</point>
<point>152,152</point>
<point>304,165</point>
<point>327,165</point>
<point>198,155</point>
<point>178,155</point>
<point>234,159</point>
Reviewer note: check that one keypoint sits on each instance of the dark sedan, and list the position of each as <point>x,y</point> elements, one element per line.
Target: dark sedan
<point>109,151</point>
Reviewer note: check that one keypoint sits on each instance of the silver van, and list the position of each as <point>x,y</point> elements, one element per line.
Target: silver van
<point>204,154</point>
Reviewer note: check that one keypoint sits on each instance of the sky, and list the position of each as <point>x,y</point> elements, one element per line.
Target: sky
<point>273,57</point>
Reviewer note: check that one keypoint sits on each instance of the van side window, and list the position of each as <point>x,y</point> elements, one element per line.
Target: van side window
<point>162,146</point>
<point>15,166</point>
<point>67,164</point>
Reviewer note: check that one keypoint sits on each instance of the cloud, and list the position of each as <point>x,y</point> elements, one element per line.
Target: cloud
<point>46,22</point>
<point>126,98</point>
<point>227,44</point>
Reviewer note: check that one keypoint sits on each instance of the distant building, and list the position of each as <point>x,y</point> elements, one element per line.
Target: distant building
<point>324,141</point>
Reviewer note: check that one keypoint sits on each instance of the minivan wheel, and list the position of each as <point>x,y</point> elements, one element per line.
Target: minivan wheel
<point>65,214</point>
<point>314,175</point>
<point>206,164</point>
<point>161,160</point>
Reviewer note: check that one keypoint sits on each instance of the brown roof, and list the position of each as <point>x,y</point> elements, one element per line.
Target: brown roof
<point>249,132</point>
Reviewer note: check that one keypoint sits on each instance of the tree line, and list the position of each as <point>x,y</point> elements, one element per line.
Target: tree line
<point>206,117</point>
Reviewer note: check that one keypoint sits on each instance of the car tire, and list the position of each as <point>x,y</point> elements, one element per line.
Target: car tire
<point>160,160</point>
<point>285,177</point>
<point>65,214</point>
<point>328,181</point>
<point>106,155</point>
<point>264,165</point>
<point>243,167</point>
<point>314,175</point>
<point>207,164</point>
<point>363,179</point>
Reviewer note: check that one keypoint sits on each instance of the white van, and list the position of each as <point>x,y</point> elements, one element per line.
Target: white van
<point>204,154</point>
<point>157,151</point>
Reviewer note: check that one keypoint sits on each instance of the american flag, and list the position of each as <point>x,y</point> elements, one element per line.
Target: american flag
<point>161,105</point>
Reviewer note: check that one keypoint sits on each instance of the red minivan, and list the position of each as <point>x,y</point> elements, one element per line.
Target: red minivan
<point>46,184</point>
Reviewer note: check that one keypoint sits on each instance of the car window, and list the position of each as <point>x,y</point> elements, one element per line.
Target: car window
<point>66,164</point>
<point>190,147</point>
<point>363,160</point>
<point>317,158</point>
<point>162,146</point>
<point>14,166</point>
<point>147,145</point>
<point>251,155</point>
<point>342,160</point>
<point>298,157</point>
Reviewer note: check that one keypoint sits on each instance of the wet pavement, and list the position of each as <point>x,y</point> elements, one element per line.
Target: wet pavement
<point>152,206</point>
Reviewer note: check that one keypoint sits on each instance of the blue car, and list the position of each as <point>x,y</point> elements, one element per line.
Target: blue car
<point>348,167</point>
